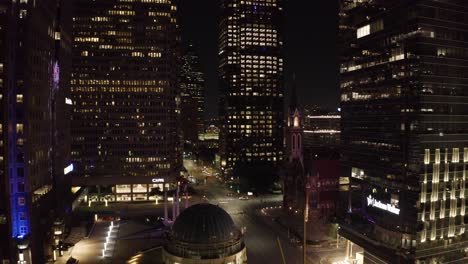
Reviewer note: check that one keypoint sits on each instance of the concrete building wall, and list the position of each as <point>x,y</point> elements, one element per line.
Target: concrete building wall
<point>239,258</point>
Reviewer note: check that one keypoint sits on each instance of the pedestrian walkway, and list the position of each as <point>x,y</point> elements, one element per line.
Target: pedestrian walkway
<point>90,250</point>
<point>76,235</point>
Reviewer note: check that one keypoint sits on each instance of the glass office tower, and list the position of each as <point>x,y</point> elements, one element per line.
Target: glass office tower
<point>252,90</point>
<point>404,96</point>
<point>192,96</point>
<point>124,89</point>
<point>34,131</point>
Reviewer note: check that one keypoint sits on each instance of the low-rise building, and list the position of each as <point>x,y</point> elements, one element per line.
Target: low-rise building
<point>316,176</point>
<point>205,234</point>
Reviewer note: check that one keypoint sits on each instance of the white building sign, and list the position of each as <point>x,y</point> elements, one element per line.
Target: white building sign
<point>156,180</point>
<point>68,169</point>
<point>371,201</point>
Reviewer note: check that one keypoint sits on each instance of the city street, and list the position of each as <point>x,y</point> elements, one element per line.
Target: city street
<point>261,231</point>
<point>137,232</point>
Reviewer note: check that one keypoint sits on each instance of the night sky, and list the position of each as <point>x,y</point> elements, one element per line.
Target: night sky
<point>310,48</point>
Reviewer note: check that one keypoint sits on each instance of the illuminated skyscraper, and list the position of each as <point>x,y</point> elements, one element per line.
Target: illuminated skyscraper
<point>124,88</point>
<point>192,90</point>
<point>405,128</point>
<point>34,146</point>
<point>6,42</point>
<point>251,82</point>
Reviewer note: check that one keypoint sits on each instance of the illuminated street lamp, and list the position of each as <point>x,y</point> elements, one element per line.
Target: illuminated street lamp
<point>337,236</point>
<point>306,219</point>
<point>57,229</point>
<point>22,245</point>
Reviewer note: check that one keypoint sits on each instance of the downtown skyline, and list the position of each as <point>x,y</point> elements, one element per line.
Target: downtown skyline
<point>310,52</point>
<point>233,131</point>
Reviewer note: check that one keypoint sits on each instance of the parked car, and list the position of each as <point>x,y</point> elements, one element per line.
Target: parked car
<point>65,246</point>
<point>72,260</point>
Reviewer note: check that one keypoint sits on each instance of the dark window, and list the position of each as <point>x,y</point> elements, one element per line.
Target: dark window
<point>20,157</point>
<point>20,186</point>
<point>20,172</point>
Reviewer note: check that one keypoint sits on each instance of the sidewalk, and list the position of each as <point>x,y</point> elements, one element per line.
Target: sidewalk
<point>317,232</point>
<point>76,234</point>
<point>88,251</point>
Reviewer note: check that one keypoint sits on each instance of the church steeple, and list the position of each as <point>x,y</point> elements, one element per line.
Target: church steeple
<point>295,130</point>
<point>293,99</point>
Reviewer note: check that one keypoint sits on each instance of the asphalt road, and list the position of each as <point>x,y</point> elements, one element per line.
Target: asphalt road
<point>261,232</point>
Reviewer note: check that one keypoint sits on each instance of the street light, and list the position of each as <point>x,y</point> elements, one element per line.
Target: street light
<point>337,236</point>
<point>306,219</point>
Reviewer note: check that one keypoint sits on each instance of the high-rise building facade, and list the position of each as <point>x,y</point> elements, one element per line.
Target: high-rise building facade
<point>322,135</point>
<point>405,128</point>
<point>6,23</point>
<point>34,54</point>
<point>192,95</point>
<point>251,83</point>
<point>124,89</point>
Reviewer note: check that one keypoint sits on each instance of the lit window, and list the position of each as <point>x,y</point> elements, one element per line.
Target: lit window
<point>427,156</point>
<point>456,155</point>
<point>23,230</point>
<point>363,31</point>
<point>296,121</point>
<point>23,13</point>
<point>19,128</point>
<point>437,156</point>
<point>370,28</point>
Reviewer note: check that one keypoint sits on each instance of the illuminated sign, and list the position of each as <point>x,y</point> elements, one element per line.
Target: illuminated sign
<point>371,201</point>
<point>68,169</point>
<point>68,101</point>
<point>156,180</point>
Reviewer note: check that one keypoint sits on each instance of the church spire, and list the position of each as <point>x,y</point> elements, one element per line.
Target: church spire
<point>295,132</point>
<point>293,105</point>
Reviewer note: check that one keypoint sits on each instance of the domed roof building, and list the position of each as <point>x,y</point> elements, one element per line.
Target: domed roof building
<point>202,234</point>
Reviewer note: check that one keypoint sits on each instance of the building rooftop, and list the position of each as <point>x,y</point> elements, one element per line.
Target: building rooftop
<point>204,224</point>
